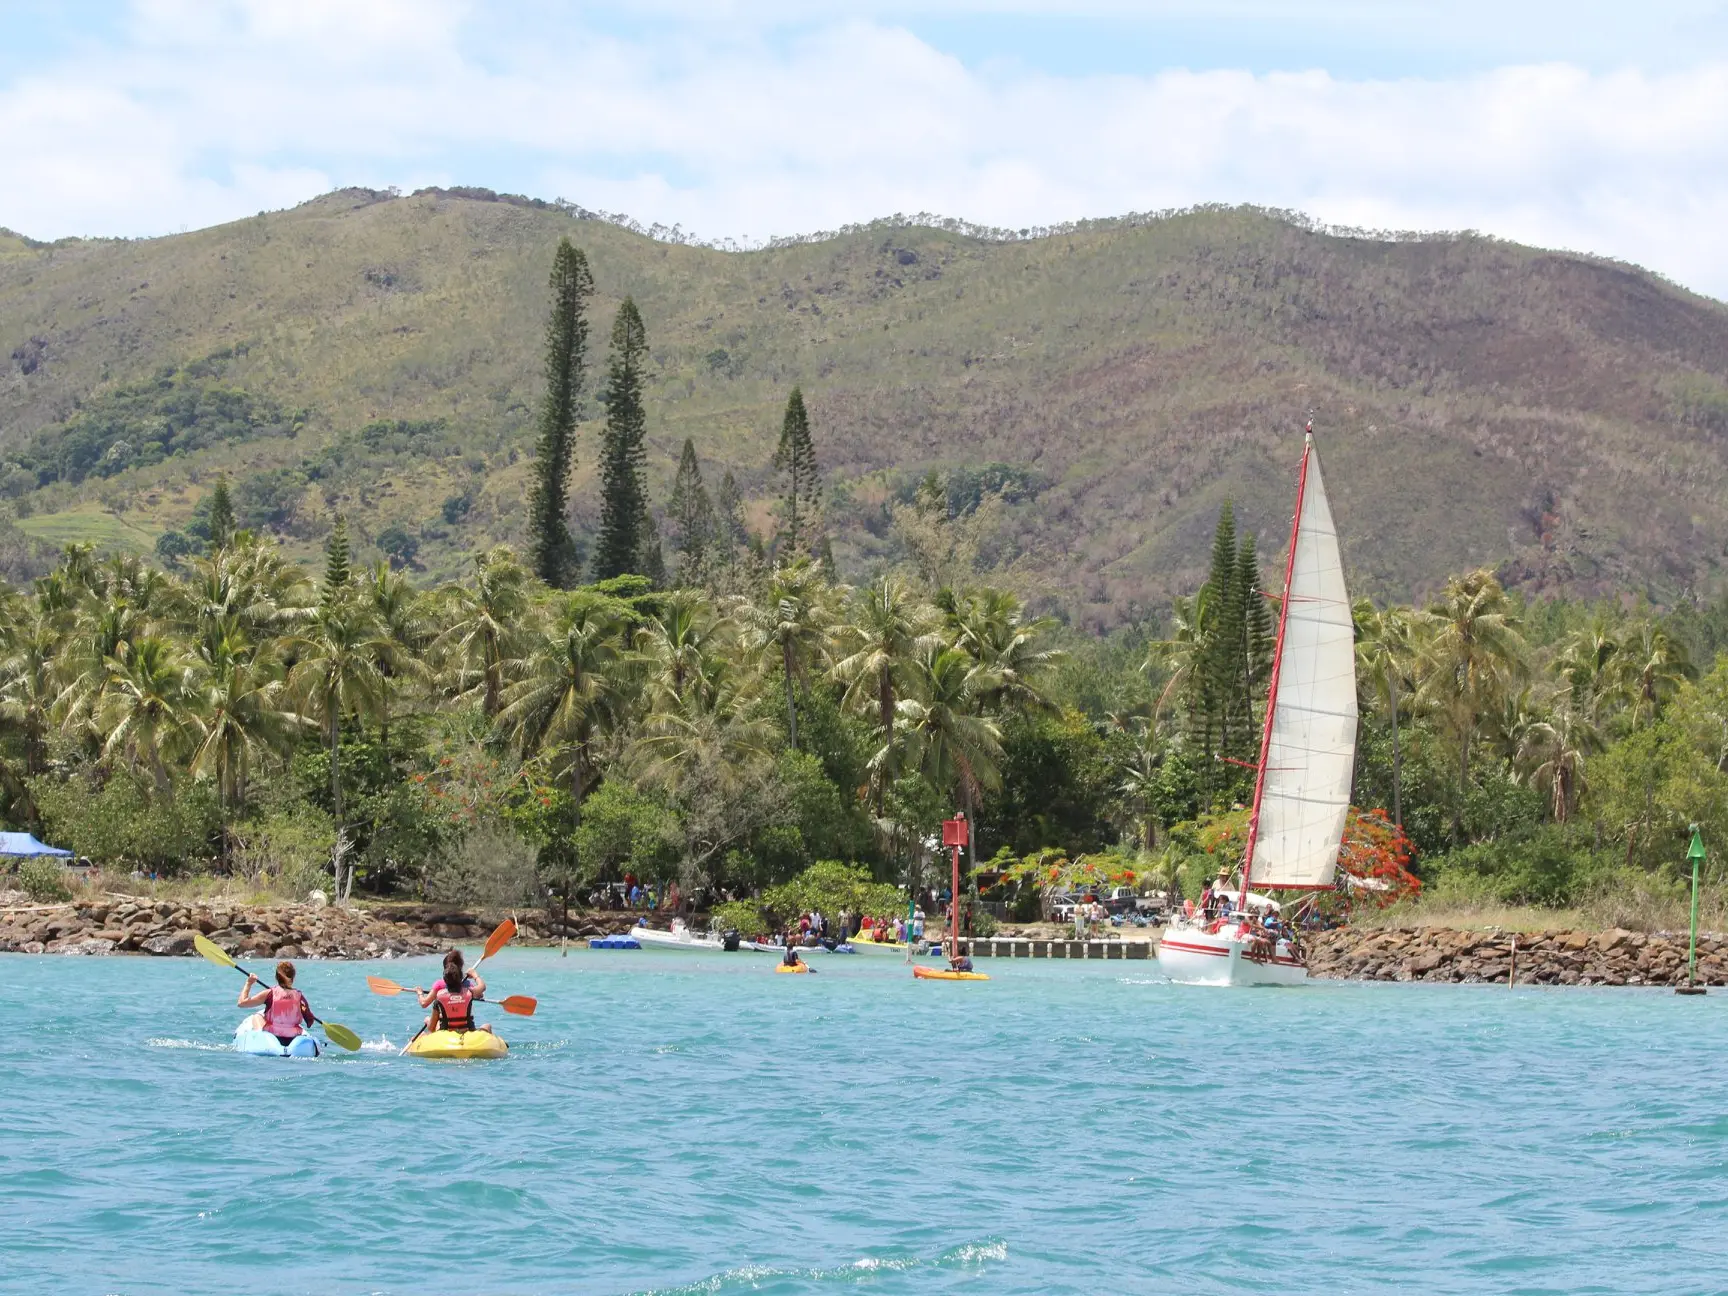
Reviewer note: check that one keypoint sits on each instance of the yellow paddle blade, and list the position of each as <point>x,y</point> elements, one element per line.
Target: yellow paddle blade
<point>384,986</point>
<point>341,1036</point>
<point>212,951</point>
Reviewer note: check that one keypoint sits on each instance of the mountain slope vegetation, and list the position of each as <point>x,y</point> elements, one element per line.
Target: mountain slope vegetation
<point>1103,389</point>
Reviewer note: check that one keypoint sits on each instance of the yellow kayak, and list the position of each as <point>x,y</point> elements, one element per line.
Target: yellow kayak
<point>453,1044</point>
<point>797,967</point>
<point>946,974</point>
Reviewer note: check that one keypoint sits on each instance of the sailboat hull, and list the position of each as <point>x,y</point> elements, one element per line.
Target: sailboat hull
<point>1195,956</point>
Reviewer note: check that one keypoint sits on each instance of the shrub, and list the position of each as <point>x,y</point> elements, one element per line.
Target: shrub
<point>490,866</point>
<point>44,880</point>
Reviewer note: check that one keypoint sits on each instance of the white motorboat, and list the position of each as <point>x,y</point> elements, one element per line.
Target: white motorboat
<point>1307,760</point>
<point>680,937</point>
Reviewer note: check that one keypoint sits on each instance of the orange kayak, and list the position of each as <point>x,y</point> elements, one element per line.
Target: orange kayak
<point>945,974</point>
<point>800,967</point>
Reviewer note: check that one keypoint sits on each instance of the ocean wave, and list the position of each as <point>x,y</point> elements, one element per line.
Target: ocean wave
<point>755,1277</point>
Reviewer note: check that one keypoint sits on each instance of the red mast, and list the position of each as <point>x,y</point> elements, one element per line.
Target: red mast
<point>1277,666</point>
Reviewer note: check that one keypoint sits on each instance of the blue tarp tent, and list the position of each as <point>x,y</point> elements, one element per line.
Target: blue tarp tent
<point>25,844</point>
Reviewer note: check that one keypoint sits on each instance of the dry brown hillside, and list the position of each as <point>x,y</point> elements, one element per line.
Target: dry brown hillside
<point>1476,401</point>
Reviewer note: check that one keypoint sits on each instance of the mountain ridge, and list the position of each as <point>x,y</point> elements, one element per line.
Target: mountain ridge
<point>1562,417</point>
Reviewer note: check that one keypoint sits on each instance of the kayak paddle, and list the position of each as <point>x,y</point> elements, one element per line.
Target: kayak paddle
<point>501,936</point>
<point>339,1035</point>
<point>521,1005</point>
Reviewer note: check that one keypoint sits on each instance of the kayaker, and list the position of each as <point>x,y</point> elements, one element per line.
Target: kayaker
<point>961,963</point>
<point>452,1000</point>
<point>790,958</point>
<point>286,1012</point>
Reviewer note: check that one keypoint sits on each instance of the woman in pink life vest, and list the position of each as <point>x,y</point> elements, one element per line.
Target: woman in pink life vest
<point>286,1012</point>
<point>452,1000</point>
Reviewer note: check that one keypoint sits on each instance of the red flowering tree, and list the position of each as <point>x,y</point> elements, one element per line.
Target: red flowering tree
<point>1377,853</point>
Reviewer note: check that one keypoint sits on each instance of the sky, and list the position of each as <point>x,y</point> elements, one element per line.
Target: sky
<point>1591,125</point>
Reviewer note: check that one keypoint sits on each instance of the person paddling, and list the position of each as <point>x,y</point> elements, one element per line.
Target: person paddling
<point>286,1013</point>
<point>452,1000</point>
<point>790,958</point>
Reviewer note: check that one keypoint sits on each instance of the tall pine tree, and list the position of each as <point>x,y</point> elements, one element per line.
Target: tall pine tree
<point>1213,684</point>
<point>221,515</point>
<point>338,562</point>
<point>552,550</point>
<point>729,516</point>
<point>692,516</point>
<point>624,497</point>
<point>1259,634</point>
<point>801,483</point>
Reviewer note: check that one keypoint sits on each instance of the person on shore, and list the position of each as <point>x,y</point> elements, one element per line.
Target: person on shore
<point>286,1013</point>
<point>452,1000</point>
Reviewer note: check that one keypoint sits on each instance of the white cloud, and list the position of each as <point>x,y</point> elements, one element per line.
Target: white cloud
<point>205,114</point>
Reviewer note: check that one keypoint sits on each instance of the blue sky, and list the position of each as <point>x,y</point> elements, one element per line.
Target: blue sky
<point>1596,126</point>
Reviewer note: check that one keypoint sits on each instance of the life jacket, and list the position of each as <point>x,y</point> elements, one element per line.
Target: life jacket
<point>457,1010</point>
<point>284,1012</point>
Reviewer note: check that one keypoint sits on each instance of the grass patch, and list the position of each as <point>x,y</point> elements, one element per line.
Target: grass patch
<point>89,526</point>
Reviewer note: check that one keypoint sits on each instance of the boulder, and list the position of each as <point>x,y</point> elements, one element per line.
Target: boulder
<point>290,952</point>
<point>170,943</point>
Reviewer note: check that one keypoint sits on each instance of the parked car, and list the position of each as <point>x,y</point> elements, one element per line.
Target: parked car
<point>1059,905</point>
<point>1120,900</point>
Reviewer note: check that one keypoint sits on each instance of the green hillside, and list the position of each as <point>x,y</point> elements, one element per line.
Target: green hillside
<point>1477,401</point>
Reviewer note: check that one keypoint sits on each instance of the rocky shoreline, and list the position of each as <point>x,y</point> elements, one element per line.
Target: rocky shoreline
<point>121,924</point>
<point>1609,958</point>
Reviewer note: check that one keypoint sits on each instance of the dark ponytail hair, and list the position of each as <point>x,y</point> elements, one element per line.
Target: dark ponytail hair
<point>453,977</point>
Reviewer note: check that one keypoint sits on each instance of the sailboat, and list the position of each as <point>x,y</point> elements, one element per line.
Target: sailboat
<point>1307,760</point>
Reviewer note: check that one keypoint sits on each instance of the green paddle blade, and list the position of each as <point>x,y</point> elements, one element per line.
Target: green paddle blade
<point>212,951</point>
<point>341,1036</point>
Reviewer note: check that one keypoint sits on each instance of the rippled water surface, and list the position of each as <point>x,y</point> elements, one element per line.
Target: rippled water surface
<point>694,1123</point>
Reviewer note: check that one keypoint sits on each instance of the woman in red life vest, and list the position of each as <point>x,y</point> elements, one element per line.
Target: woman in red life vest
<point>452,1000</point>
<point>286,1011</point>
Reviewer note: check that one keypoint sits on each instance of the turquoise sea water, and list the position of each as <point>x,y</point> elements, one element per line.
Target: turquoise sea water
<point>695,1123</point>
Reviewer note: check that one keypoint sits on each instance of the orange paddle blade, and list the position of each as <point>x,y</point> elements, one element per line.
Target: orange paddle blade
<point>521,1005</point>
<point>384,986</point>
<point>502,936</point>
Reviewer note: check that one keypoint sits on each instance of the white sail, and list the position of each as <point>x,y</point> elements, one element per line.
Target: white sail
<point>1311,755</point>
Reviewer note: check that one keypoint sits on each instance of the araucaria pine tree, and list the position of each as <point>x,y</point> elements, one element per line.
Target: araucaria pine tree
<point>692,516</point>
<point>800,484</point>
<point>338,562</point>
<point>624,497</point>
<point>729,516</point>
<point>553,551</point>
<point>221,515</point>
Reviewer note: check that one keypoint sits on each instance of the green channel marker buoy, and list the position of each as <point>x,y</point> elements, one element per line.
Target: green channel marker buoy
<point>1695,853</point>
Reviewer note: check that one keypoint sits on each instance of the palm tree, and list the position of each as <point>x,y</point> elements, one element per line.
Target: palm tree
<point>1388,644</point>
<point>879,647</point>
<point>573,688</point>
<point>1551,755</point>
<point>678,649</point>
<point>1474,653</point>
<point>148,705</point>
<point>1140,776</point>
<point>1653,665</point>
<point>486,626</point>
<point>1589,664</point>
<point>407,631</point>
<point>1184,652</point>
<point>792,623</point>
<point>242,714</point>
<point>990,626</point>
<point>31,646</point>
<point>944,737</point>
<point>335,675</point>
